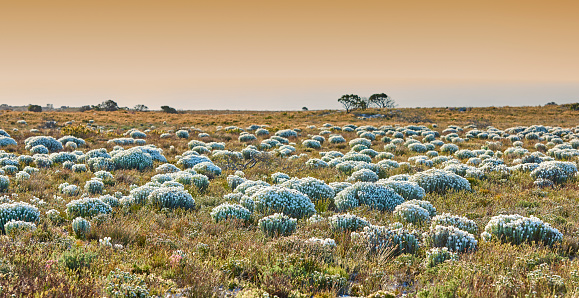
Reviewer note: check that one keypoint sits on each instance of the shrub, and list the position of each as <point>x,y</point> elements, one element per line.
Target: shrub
<point>376,239</point>
<point>19,211</point>
<point>76,259</point>
<point>68,189</point>
<point>556,171</point>
<point>132,159</point>
<point>7,141</point>
<point>247,138</point>
<point>408,190</point>
<point>208,169</point>
<point>277,225</point>
<point>94,186</point>
<point>438,255</point>
<point>101,164</point>
<point>182,134</point>
<point>80,227</point>
<point>274,199</point>
<point>369,194</point>
<point>104,175</point>
<point>79,168</point>
<point>440,181</point>
<point>15,227</point>
<point>411,213</point>
<point>517,229</point>
<point>314,188</point>
<point>450,237</point>
<point>49,142</point>
<point>87,207</point>
<point>171,197</point>
<point>230,211</point>
<point>463,223</point>
<point>312,144</point>
<point>363,175</point>
<point>4,183</point>
<point>120,284</point>
<point>347,222</point>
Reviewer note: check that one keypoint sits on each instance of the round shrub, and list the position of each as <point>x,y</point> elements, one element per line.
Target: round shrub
<point>15,227</point>
<point>363,175</point>
<point>463,223</point>
<point>104,175</point>
<point>171,197</point>
<point>7,141</point>
<point>435,180</point>
<point>450,237</point>
<point>556,171</point>
<point>408,190</point>
<point>517,229</point>
<point>101,164</point>
<point>369,194</point>
<point>247,138</point>
<point>94,186</point>
<point>80,227</point>
<point>22,176</point>
<point>208,169</point>
<point>411,213</point>
<point>132,159</point>
<point>49,143</point>
<point>277,225</point>
<point>312,144</point>
<point>347,222</point>
<point>182,134</point>
<point>227,211</point>
<point>79,168</point>
<point>39,149</point>
<point>377,239</point>
<point>316,163</point>
<point>4,183</point>
<point>438,255</point>
<point>19,211</point>
<point>87,207</point>
<point>337,140</point>
<point>275,199</point>
<point>314,188</point>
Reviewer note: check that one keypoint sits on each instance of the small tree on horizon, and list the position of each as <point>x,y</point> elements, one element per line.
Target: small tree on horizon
<point>168,109</point>
<point>382,100</point>
<point>35,108</point>
<point>141,108</point>
<point>108,106</point>
<point>349,101</point>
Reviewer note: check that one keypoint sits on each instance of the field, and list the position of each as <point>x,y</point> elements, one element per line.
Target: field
<point>423,202</point>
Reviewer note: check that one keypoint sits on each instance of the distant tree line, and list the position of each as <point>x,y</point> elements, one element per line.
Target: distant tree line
<point>355,102</point>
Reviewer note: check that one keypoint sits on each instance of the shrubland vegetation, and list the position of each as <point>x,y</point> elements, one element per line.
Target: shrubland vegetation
<point>425,202</point>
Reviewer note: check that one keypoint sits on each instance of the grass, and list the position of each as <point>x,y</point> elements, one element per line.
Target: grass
<point>232,257</point>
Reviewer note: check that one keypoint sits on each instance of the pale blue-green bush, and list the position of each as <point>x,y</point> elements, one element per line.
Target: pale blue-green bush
<point>347,222</point>
<point>68,189</point>
<point>87,207</point>
<point>19,211</point>
<point>411,213</point>
<point>171,197</point>
<point>79,168</point>
<point>463,223</point>
<point>517,229</point>
<point>104,175</point>
<point>438,255</point>
<point>277,225</point>
<point>435,180</point>
<point>363,175</point>
<point>453,238</point>
<point>80,227</point>
<point>208,169</point>
<point>121,284</point>
<point>377,239</point>
<point>556,171</point>
<point>369,194</point>
<point>94,186</point>
<point>22,176</point>
<point>96,164</point>
<point>182,134</point>
<point>4,183</point>
<point>227,211</point>
<point>314,188</point>
<point>49,143</point>
<point>275,199</point>
<point>132,159</point>
<point>408,190</point>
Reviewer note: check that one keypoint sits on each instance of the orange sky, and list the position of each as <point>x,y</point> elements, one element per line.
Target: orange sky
<point>252,54</point>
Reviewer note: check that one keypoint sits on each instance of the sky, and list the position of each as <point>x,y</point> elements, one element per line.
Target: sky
<point>284,55</point>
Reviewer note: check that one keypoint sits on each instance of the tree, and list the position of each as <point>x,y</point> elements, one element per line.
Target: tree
<point>304,109</point>
<point>141,108</point>
<point>85,108</point>
<point>168,109</point>
<point>35,108</point>
<point>109,106</point>
<point>362,103</point>
<point>349,101</point>
<point>382,100</point>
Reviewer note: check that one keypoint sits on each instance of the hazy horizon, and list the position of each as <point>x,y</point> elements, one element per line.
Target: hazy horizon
<point>266,55</point>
